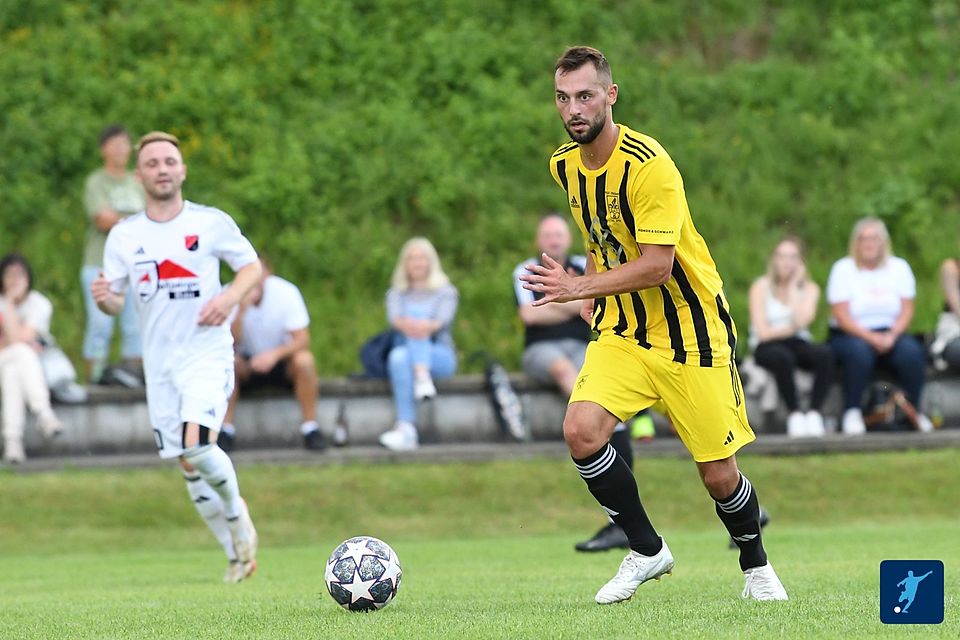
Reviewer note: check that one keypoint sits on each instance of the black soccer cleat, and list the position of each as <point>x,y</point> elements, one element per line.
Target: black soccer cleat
<point>611,536</point>
<point>314,441</point>
<point>764,521</point>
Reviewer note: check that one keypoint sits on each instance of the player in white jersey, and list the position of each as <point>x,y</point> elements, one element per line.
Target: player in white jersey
<point>170,255</point>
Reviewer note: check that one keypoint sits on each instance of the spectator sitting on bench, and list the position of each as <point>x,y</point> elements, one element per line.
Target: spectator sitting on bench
<point>946,344</point>
<point>421,306</point>
<point>871,296</point>
<point>271,331</point>
<point>783,304</point>
<point>555,343</point>
<point>22,383</point>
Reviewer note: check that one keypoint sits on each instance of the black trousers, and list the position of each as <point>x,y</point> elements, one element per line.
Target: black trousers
<point>783,357</point>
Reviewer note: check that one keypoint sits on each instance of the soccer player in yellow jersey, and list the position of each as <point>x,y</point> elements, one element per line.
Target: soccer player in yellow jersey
<point>652,292</point>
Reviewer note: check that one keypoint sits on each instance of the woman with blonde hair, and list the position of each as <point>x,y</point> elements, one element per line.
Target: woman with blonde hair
<point>783,304</point>
<point>421,306</point>
<point>871,294</point>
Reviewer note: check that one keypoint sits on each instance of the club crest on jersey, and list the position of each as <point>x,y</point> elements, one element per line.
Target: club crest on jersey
<point>613,207</point>
<point>192,242</point>
<point>179,282</point>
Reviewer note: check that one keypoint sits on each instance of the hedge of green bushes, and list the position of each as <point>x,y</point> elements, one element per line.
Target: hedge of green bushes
<point>334,130</point>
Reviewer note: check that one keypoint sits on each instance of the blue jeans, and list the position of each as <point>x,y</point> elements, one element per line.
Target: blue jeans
<point>441,359</point>
<point>99,331</point>
<point>906,360</point>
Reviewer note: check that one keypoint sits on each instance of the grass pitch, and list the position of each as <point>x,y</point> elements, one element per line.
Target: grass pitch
<point>486,551</point>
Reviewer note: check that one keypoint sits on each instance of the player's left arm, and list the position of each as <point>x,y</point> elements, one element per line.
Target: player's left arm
<point>217,310</point>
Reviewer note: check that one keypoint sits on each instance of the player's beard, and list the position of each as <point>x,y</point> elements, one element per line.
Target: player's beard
<point>591,133</point>
<point>166,191</point>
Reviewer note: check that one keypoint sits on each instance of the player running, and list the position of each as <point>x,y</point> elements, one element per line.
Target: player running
<point>910,584</point>
<point>170,255</point>
<point>653,294</point>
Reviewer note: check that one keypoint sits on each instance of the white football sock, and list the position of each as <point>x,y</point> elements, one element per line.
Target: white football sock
<point>210,507</point>
<point>215,466</point>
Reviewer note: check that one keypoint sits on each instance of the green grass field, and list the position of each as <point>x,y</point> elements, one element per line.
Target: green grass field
<point>486,551</point>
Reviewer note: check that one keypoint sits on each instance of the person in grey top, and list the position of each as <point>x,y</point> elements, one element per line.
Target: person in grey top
<point>421,306</point>
<point>111,194</point>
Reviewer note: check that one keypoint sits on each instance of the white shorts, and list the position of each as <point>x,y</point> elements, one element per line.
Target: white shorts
<point>196,394</point>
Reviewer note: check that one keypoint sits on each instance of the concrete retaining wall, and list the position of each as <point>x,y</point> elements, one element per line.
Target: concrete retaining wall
<point>116,420</point>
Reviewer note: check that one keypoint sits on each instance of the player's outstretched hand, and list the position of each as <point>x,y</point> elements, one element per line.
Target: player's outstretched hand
<point>550,279</point>
<point>216,311</point>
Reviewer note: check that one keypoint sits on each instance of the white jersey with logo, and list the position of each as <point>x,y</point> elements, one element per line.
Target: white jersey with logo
<point>269,324</point>
<point>174,270</point>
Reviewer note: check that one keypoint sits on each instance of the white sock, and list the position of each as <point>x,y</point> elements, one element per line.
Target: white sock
<point>228,429</point>
<point>210,507</point>
<point>309,427</point>
<point>215,466</point>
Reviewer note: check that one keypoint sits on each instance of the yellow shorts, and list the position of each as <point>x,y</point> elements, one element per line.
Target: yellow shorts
<point>705,404</point>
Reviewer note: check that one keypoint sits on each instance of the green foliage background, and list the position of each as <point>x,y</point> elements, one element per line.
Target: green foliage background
<point>334,130</point>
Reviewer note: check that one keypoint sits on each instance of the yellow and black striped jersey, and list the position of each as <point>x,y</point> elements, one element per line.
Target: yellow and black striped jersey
<point>637,198</point>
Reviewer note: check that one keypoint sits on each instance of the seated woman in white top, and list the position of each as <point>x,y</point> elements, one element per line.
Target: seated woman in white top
<point>21,377</point>
<point>783,304</point>
<point>871,296</point>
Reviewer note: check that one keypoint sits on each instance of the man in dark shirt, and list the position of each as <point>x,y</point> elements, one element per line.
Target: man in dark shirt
<point>555,341</point>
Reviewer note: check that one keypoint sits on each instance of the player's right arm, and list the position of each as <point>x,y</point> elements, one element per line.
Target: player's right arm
<point>108,288</point>
<point>109,302</point>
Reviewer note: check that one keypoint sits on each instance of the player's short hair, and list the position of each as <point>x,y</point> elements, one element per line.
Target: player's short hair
<point>575,57</point>
<point>112,131</point>
<point>157,136</point>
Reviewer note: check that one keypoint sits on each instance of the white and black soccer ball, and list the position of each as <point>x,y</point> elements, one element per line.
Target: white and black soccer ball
<point>363,574</point>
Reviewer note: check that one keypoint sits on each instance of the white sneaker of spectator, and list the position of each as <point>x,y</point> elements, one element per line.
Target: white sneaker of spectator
<point>924,424</point>
<point>403,437</point>
<point>815,426</point>
<point>853,424</point>
<point>49,424</point>
<point>797,425</point>
<point>13,452</point>
<point>423,387</point>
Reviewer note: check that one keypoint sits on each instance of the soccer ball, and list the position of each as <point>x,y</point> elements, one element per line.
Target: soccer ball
<point>363,574</point>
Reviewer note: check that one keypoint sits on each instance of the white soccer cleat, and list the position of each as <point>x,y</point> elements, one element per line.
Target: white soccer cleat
<point>403,437</point>
<point>634,571</point>
<point>236,572</point>
<point>244,545</point>
<point>763,584</point>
